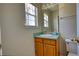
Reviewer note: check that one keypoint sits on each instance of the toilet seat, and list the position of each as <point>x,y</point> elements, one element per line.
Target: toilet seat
<point>71,47</point>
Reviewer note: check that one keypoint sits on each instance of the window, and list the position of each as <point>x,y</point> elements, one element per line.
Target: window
<point>31,15</point>
<point>45,20</point>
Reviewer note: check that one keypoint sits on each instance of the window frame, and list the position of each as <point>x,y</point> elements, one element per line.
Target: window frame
<point>35,16</point>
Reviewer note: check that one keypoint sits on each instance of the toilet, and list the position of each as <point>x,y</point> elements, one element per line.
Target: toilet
<point>71,47</point>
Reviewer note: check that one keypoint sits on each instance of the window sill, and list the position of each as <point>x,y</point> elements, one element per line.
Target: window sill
<point>31,27</point>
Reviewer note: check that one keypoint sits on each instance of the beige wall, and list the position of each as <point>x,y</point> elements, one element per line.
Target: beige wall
<point>0,23</point>
<point>0,32</point>
<point>77,13</point>
<point>67,25</point>
<point>0,28</point>
<point>0,35</point>
<point>17,39</point>
<point>68,21</point>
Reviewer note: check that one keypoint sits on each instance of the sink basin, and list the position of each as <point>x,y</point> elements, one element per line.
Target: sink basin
<point>46,35</point>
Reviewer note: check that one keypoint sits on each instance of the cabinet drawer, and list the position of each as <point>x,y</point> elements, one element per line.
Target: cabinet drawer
<point>38,40</point>
<point>48,41</point>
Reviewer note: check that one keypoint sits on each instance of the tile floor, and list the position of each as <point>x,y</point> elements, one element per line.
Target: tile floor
<point>72,54</point>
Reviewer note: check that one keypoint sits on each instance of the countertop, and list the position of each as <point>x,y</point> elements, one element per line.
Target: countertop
<point>52,35</point>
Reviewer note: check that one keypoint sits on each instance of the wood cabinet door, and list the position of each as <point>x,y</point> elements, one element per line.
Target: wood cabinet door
<point>49,50</point>
<point>38,49</point>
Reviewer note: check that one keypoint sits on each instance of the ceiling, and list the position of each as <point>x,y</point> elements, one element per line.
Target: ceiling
<point>50,6</point>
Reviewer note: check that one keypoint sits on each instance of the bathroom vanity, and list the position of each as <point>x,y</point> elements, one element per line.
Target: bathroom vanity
<point>49,45</point>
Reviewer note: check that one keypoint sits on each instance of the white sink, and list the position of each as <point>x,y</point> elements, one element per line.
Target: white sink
<point>46,35</point>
